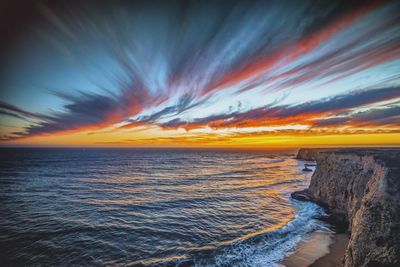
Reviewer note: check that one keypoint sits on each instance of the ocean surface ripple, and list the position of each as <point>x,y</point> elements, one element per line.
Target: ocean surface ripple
<point>135,207</point>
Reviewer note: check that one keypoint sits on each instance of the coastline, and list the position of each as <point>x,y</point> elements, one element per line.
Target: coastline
<point>336,252</point>
<point>354,186</point>
<point>320,249</point>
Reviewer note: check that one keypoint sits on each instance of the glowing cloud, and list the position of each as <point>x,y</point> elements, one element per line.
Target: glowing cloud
<point>223,71</point>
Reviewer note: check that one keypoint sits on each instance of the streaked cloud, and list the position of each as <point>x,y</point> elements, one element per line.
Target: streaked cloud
<point>213,65</point>
<point>306,113</point>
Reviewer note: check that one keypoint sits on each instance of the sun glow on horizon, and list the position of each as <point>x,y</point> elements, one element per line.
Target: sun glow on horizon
<point>144,75</point>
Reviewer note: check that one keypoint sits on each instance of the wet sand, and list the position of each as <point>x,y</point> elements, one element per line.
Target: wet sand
<point>321,249</point>
<point>335,256</point>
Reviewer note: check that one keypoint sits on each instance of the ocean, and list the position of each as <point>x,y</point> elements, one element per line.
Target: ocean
<point>151,207</point>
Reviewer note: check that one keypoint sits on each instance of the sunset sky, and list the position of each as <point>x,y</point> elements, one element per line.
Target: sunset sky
<point>201,74</point>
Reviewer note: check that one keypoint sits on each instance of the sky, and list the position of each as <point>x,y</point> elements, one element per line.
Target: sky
<point>253,74</point>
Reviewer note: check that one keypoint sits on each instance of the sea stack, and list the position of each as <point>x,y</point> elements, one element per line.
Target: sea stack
<point>361,188</point>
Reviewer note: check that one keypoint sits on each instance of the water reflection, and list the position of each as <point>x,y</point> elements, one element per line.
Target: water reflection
<point>66,206</point>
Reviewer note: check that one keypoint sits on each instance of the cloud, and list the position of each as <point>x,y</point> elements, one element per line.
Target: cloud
<point>6,113</point>
<point>11,110</point>
<point>89,111</point>
<point>169,59</point>
<point>185,103</point>
<point>388,116</point>
<point>305,113</point>
<point>332,52</point>
<point>83,111</point>
<point>198,48</point>
<point>343,101</point>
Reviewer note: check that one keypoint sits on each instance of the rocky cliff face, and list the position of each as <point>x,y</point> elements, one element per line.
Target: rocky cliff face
<point>362,188</point>
<point>308,154</point>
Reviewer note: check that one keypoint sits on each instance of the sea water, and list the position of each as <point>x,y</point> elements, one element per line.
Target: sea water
<point>156,207</point>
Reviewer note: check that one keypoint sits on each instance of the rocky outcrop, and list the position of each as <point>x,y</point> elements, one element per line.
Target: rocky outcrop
<point>312,153</point>
<point>360,187</point>
<point>307,154</point>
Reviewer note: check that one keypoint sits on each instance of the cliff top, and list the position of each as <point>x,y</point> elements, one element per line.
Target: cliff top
<point>389,156</point>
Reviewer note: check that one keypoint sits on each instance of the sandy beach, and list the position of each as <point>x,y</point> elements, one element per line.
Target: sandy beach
<point>321,249</point>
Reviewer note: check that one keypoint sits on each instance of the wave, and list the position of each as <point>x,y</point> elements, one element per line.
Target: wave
<point>262,249</point>
<point>134,207</point>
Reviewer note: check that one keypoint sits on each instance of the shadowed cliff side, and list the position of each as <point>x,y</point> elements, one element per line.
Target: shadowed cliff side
<point>361,188</point>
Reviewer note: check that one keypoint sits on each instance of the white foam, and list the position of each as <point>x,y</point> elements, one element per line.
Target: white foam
<point>270,248</point>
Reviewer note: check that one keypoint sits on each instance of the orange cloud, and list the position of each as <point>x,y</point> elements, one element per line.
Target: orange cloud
<point>290,53</point>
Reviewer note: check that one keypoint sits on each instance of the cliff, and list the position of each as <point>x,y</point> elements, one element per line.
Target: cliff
<point>360,187</point>
<point>312,153</point>
<point>308,154</point>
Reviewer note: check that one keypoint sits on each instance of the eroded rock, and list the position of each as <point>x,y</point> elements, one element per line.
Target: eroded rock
<point>361,188</point>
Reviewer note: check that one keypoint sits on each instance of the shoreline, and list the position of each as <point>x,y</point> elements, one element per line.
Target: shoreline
<point>320,249</point>
<point>359,188</point>
<point>336,253</point>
